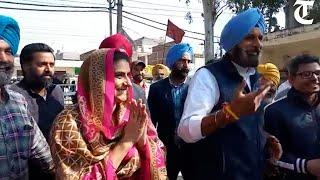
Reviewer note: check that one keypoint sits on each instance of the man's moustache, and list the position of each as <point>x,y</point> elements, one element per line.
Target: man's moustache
<point>6,66</point>
<point>50,75</point>
<point>249,52</point>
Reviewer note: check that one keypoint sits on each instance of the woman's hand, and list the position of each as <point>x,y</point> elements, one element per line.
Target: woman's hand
<point>134,129</point>
<point>143,139</point>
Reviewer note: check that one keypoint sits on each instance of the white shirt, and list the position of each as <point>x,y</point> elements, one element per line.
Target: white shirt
<point>203,95</point>
<point>284,86</point>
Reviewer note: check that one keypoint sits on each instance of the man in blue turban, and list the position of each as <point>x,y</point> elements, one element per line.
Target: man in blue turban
<point>21,139</point>
<point>166,100</point>
<point>178,51</point>
<point>220,118</point>
<point>9,37</point>
<point>10,32</point>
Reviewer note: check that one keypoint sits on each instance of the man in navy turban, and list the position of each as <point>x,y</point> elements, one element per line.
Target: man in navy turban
<point>166,100</point>
<point>221,120</point>
<point>10,37</point>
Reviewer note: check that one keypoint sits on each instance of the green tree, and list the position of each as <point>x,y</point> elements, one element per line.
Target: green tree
<point>267,7</point>
<point>315,12</point>
<point>212,9</point>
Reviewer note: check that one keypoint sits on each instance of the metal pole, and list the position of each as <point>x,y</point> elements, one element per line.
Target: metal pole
<point>110,16</point>
<point>119,16</point>
<point>164,49</point>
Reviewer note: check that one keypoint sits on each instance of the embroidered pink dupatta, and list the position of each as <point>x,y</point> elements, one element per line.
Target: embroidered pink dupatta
<point>95,132</point>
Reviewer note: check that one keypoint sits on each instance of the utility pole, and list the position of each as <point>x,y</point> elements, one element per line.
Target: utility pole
<point>110,14</point>
<point>119,16</point>
<point>208,10</point>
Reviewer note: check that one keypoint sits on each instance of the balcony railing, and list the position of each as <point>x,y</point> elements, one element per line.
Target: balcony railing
<point>291,32</point>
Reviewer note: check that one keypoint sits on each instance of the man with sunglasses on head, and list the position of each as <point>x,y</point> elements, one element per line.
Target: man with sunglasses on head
<point>295,120</point>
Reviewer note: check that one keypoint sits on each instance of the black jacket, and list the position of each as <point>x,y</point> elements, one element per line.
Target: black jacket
<point>297,125</point>
<point>236,151</point>
<point>162,110</point>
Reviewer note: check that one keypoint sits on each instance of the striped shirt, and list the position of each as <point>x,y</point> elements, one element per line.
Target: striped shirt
<point>20,138</point>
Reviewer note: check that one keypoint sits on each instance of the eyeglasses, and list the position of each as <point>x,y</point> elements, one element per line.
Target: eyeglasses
<point>308,74</point>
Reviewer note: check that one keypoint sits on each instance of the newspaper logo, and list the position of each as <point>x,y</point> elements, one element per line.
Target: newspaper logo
<point>304,5</point>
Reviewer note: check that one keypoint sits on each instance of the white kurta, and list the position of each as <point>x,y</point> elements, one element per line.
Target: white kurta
<point>203,95</point>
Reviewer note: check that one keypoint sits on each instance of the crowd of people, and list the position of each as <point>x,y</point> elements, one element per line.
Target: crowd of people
<point>228,122</point>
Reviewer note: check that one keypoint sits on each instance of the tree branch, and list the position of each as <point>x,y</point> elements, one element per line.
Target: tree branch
<point>218,2</point>
<point>218,14</point>
<point>220,10</point>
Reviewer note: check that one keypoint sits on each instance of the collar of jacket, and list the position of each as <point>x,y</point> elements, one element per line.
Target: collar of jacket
<point>297,97</point>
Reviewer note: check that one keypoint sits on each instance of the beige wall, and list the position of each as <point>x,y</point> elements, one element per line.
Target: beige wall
<point>280,47</point>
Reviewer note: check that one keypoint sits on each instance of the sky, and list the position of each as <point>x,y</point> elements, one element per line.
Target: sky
<point>83,31</point>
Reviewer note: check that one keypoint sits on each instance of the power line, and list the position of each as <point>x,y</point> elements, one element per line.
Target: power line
<point>41,28</point>
<point>144,23</point>
<point>85,7</point>
<point>168,15</point>
<point>47,5</point>
<point>58,10</point>
<point>130,29</point>
<point>164,5</point>
<point>55,38</point>
<point>41,2</point>
<point>104,4</point>
<point>83,2</point>
<point>158,27</point>
<point>52,3</point>
<point>161,23</point>
<point>60,34</point>
<point>144,18</point>
<point>52,10</point>
<point>160,9</point>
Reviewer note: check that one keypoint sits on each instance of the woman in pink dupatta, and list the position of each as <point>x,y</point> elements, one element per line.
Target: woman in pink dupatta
<point>107,135</point>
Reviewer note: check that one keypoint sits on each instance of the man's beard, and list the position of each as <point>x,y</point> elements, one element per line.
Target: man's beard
<point>246,59</point>
<point>38,83</point>
<point>138,78</point>
<point>180,73</point>
<point>6,71</point>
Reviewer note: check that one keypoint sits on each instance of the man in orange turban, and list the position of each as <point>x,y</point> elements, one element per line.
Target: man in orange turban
<point>269,74</point>
<point>160,71</point>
